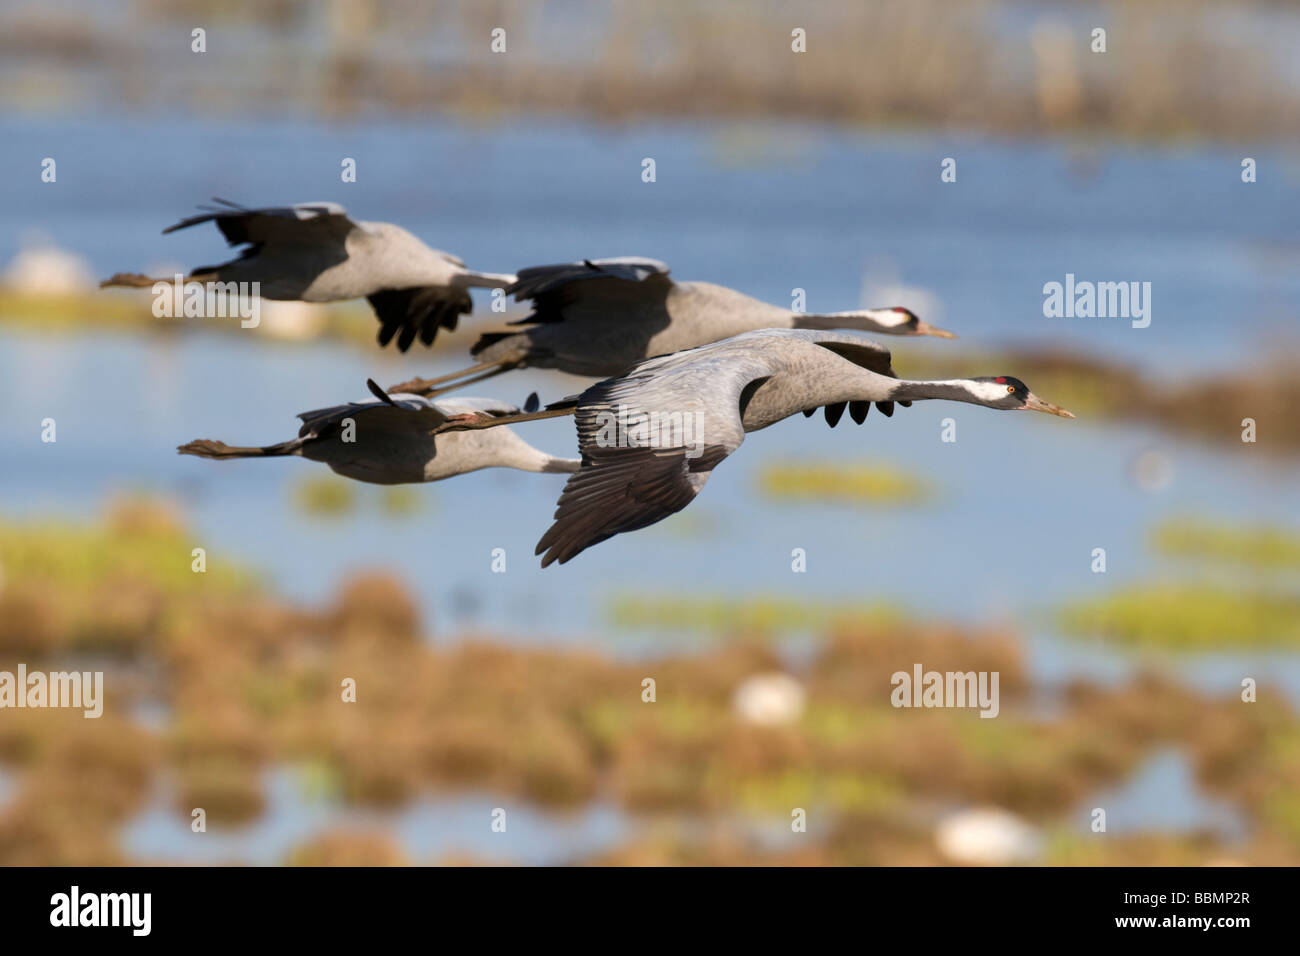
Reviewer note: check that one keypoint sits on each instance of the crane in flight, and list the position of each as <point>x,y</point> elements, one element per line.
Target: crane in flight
<point>388,441</point>
<point>314,252</point>
<point>651,437</point>
<point>600,317</point>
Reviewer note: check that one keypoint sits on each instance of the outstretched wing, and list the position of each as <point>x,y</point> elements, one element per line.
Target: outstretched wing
<point>304,224</point>
<point>649,441</point>
<point>615,282</point>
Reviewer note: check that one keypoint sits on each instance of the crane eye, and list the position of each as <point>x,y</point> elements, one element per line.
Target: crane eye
<point>1011,389</point>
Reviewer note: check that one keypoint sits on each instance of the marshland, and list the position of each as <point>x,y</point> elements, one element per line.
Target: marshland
<point>836,557</point>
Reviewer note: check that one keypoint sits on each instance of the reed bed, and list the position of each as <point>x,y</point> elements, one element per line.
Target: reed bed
<point>1172,68</point>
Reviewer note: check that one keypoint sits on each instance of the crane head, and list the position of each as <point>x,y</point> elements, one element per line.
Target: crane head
<point>1006,391</point>
<point>910,321</point>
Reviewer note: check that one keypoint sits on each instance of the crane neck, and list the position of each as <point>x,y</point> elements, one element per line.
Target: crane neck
<point>953,390</point>
<point>883,321</point>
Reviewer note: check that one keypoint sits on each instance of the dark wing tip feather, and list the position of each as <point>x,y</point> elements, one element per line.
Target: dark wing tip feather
<point>378,392</point>
<point>417,312</point>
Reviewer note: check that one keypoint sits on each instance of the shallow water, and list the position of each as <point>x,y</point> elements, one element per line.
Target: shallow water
<point>428,830</point>
<point>1163,796</point>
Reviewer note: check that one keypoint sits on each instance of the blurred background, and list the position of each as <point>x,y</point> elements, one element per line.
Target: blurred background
<point>522,690</point>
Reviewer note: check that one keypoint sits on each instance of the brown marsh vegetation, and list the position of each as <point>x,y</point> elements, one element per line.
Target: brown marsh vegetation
<point>249,681</point>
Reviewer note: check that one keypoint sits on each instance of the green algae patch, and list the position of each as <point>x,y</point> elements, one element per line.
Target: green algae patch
<point>325,496</point>
<point>877,485</point>
<point>1187,617</point>
<point>1261,547</point>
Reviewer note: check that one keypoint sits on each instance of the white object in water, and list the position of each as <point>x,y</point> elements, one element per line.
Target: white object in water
<point>987,836</point>
<point>48,270</point>
<point>292,320</point>
<point>770,700</point>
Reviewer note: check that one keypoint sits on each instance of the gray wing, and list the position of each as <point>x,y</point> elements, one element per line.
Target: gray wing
<point>304,224</point>
<point>627,486</point>
<point>618,281</point>
<point>862,352</point>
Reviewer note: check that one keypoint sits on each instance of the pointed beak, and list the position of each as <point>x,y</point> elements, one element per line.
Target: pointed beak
<point>1036,404</point>
<point>924,328</point>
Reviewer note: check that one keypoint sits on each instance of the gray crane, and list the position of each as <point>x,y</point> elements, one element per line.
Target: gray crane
<point>650,438</point>
<point>601,316</point>
<point>314,252</point>
<point>389,441</point>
